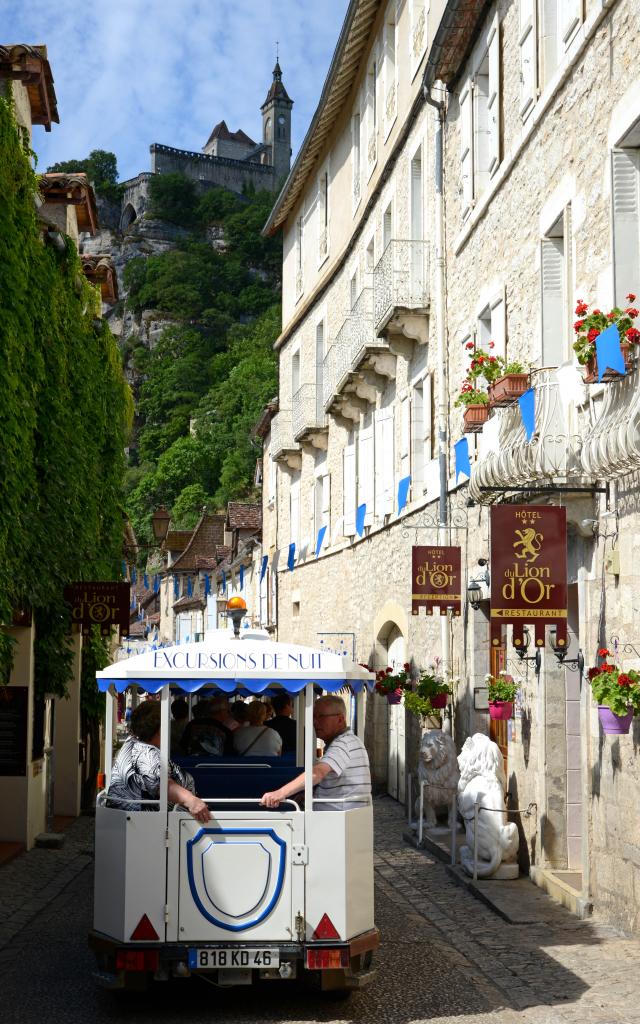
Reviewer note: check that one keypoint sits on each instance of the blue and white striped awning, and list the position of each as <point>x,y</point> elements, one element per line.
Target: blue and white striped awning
<point>248,665</point>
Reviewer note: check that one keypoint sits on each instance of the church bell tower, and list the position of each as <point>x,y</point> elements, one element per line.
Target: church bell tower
<point>276,124</point>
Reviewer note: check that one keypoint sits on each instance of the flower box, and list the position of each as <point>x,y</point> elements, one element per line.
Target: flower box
<point>591,368</point>
<point>474,418</point>
<point>508,389</point>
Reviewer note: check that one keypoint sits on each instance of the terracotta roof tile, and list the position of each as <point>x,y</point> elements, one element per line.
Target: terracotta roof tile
<point>195,601</point>
<point>242,516</point>
<point>207,536</point>
<point>72,189</point>
<point>29,65</point>
<point>177,540</point>
<point>221,131</point>
<point>100,270</point>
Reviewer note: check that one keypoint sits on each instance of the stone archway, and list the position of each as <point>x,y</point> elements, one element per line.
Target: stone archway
<point>128,216</point>
<point>390,639</point>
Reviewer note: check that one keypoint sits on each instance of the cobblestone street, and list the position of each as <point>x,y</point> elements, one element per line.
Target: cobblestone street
<point>445,956</point>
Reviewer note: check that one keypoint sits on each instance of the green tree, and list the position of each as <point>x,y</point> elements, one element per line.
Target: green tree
<point>188,506</point>
<point>101,167</point>
<point>173,198</point>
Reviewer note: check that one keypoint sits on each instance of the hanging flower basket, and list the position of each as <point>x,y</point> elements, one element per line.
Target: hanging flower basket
<point>474,418</point>
<point>394,697</point>
<point>439,700</point>
<point>508,389</point>
<point>501,710</point>
<point>612,724</point>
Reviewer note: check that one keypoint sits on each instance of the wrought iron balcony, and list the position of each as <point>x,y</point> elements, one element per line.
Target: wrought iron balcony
<point>358,362</point>
<point>611,428</point>
<point>309,418</point>
<point>507,460</point>
<point>283,446</point>
<point>401,285</point>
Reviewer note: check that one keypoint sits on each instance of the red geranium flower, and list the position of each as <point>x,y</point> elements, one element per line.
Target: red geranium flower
<point>581,308</point>
<point>407,666</point>
<point>593,334</point>
<point>469,345</point>
<point>633,334</point>
<point>602,652</point>
<point>624,680</point>
<point>593,672</point>
<point>491,344</point>
<point>578,325</point>
<point>632,312</point>
<point>631,297</point>
<point>597,312</point>
<point>611,315</point>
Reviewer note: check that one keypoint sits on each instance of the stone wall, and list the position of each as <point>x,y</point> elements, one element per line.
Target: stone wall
<point>221,171</point>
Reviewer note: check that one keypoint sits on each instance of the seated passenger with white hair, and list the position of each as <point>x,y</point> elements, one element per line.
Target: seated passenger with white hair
<point>256,737</point>
<point>342,774</point>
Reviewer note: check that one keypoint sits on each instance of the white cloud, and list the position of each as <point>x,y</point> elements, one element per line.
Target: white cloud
<point>132,72</point>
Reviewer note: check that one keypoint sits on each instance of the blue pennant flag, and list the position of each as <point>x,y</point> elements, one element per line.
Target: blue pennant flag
<point>156,583</point>
<point>207,584</point>
<point>242,577</point>
<point>263,567</point>
<point>403,492</point>
<point>320,539</point>
<point>527,403</point>
<point>133,601</point>
<point>176,588</point>
<point>463,465</point>
<point>291,559</point>
<point>145,581</point>
<point>361,512</point>
<point>224,582</point>
<point>608,352</point>
<point>124,570</point>
<point>189,586</point>
<point>134,575</point>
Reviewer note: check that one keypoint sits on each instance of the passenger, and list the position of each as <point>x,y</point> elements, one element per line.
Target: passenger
<point>343,771</point>
<point>282,721</point>
<point>179,717</point>
<point>256,737</point>
<point>136,770</point>
<point>240,712</point>
<point>205,733</point>
<point>269,706</point>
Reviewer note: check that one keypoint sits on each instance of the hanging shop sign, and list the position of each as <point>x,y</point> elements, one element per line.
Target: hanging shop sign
<point>528,571</point>
<point>99,604</point>
<point>435,579</point>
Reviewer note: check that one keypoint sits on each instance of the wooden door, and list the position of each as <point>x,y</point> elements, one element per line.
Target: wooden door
<point>499,731</point>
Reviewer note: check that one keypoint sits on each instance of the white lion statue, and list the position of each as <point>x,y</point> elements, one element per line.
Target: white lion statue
<point>482,780</point>
<point>438,769</point>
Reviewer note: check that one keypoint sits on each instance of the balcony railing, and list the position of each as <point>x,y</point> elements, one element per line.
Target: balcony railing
<point>308,411</point>
<point>506,459</point>
<point>282,442</point>
<point>400,281</point>
<point>611,429</point>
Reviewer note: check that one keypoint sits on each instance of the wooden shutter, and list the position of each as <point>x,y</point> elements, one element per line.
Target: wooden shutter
<point>528,55</point>
<point>552,266</point>
<point>349,486</point>
<point>494,101</point>
<point>626,223</point>
<point>466,146</point>
<point>366,466</point>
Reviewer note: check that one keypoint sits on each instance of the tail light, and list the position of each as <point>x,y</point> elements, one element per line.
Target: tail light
<point>137,960</point>
<point>329,958</point>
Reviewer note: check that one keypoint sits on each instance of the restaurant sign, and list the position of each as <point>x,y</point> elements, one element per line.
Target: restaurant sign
<point>435,579</point>
<point>528,571</point>
<point>99,604</point>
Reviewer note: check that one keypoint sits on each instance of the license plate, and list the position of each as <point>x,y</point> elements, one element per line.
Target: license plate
<point>234,958</point>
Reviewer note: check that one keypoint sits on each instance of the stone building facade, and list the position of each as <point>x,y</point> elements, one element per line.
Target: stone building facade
<point>540,107</point>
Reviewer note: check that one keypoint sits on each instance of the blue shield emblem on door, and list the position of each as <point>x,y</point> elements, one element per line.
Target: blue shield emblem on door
<point>236,875</point>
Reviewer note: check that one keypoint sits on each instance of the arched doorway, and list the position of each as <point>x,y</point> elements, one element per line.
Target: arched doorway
<point>394,645</point>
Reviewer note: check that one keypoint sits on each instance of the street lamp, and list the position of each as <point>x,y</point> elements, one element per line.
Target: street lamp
<point>560,651</point>
<point>160,523</point>
<point>478,587</point>
<point>521,651</point>
<point>236,611</point>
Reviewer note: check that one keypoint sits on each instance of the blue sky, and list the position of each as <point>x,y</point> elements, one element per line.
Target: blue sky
<point>132,72</point>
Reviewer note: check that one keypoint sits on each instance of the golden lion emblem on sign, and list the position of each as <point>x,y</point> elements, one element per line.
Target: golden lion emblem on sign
<point>530,543</point>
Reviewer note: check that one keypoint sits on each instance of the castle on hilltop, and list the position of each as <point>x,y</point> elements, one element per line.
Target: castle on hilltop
<point>228,159</point>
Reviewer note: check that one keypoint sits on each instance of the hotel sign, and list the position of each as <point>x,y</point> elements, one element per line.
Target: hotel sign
<point>528,571</point>
<point>435,579</point>
<point>99,604</point>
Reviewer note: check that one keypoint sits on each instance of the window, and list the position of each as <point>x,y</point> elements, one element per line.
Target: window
<point>560,21</point>
<point>273,478</point>
<point>625,176</point>
<point>387,227</point>
<point>349,479</point>
<point>555,272</point>
<point>405,437</point>
<point>421,432</point>
<point>384,460</point>
<point>356,159</point>
<point>299,241</point>
<point>369,260</point>
<point>294,510</point>
<point>321,496</point>
<point>416,196</point>
<point>372,115</point>
<point>492,327</point>
<point>528,41</point>
<point>480,122</point>
<point>390,63</point>
<point>319,371</point>
<point>295,373</point>
<point>366,469</point>
<point>323,216</point>
<point>418,38</point>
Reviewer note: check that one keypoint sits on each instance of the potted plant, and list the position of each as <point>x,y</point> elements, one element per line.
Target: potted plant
<point>391,684</point>
<point>506,380</point>
<point>434,689</point>
<point>617,694</point>
<point>502,693</point>
<point>589,325</point>
<point>476,406</point>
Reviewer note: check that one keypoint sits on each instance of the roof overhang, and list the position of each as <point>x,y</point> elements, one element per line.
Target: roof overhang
<point>100,270</point>
<point>453,40</point>
<point>343,71</point>
<point>29,65</point>
<point>72,190</point>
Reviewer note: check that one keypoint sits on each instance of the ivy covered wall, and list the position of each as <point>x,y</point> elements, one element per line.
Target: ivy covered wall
<point>65,414</point>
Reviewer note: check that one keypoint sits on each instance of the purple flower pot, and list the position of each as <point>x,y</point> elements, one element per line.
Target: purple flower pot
<point>612,724</point>
<point>501,710</point>
<point>394,697</point>
<point>439,701</point>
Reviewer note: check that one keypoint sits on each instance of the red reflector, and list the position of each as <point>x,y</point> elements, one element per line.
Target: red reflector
<point>325,929</point>
<point>137,960</point>
<point>144,931</point>
<point>327,959</point>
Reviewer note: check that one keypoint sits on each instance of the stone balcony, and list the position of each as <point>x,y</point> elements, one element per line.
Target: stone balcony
<point>309,420</point>
<point>506,460</point>
<point>401,290</point>
<point>358,364</point>
<point>284,449</point>
<point>610,428</point>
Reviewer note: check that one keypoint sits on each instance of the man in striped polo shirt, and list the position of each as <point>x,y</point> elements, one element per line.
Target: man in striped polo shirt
<point>342,773</point>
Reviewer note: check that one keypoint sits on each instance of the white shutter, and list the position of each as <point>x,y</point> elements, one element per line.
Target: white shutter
<point>349,486</point>
<point>494,102</point>
<point>417,440</point>
<point>626,222</point>
<point>528,55</point>
<point>466,146</point>
<point>273,466</point>
<point>552,264</point>
<point>427,417</point>
<point>499,327</point>
<point>384,468</point>
<point>294,510</point>
<point>319,372</point>
<point>326,499</point>
<point>366,467</point>
<point>570,16</point>
<point>405,437</point>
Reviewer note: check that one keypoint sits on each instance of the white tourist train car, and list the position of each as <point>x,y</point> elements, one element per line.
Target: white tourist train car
<point>255,893</point>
